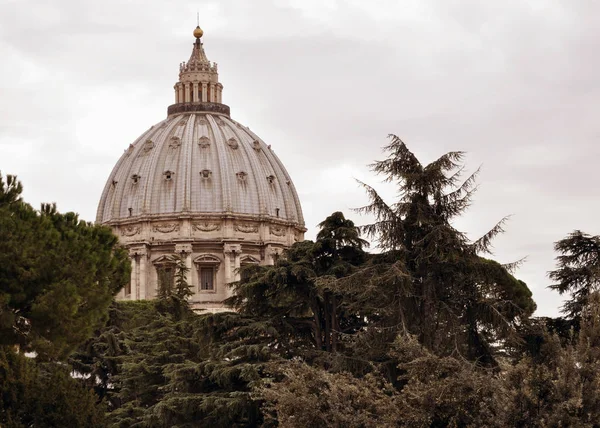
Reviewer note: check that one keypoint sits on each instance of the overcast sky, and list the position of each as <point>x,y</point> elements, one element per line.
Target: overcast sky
<point>514,83</point>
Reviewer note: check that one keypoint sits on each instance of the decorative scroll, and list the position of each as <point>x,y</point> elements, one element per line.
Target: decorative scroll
<point>276,230</point>
<point>175,142</point>
<point>130,230</point>
<point>206,227</point>
<point>232,142</point>
<point>166,227</point>
<point>204,142</point>
<point>246,228</point>
<point>148,145</point>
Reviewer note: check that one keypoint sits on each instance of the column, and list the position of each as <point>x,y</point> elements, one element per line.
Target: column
<point>180,89</point>
<point>176,94</point>
<point>143,273</point>
<point>185,251</point>
<point>204,93</point>
<point>232,263</point>
<point>196,93</point>
<point>219,90</point>
<point>187,93</point>
<point>134,275</point>
<point>211,93</point>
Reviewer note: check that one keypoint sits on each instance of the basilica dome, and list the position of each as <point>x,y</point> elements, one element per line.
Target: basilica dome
<point>199,163</point>
<point>200,187</point>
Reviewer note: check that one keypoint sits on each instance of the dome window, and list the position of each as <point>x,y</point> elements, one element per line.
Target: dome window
<point>242,176</point>
<point>135,178</point>
<point>277,212</point>
<point>207,266</point>
<point>204,142</point>
<point>256,145</point>
<point>168,175</point>
<point>206,173</point>
<point>175,142</point>
<point>271,179</point>
<point>232,142</point>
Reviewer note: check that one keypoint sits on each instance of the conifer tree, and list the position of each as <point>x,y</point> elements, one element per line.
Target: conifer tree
<point>578,271</point>
<point>58,275</point>
<point>431,280</point>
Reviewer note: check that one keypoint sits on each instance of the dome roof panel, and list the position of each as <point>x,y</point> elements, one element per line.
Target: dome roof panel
<point>199,163</point>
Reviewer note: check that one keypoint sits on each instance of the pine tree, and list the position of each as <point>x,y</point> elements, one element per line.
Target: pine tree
<point>578,270</point>
<point>58,275</point>
<point>431,280</point>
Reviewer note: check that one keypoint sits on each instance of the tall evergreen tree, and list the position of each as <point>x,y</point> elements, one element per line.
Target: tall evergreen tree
<point>432,280</point>
<point>58,275</point>
<point>578,271</point>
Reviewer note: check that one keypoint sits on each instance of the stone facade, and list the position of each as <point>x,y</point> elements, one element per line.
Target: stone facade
<point>201,186</point>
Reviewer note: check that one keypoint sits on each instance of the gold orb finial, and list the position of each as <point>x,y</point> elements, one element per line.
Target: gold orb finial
<point>198,32</point>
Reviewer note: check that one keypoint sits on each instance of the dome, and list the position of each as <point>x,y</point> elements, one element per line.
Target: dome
<point>199,163</point>
<point>200,188</point>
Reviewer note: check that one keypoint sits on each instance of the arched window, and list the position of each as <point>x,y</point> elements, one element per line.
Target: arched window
<point>165,273</point>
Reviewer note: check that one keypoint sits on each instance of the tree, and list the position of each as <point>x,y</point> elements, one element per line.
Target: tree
<point>558,383</point>
<point>299,396</point>
<point>44,395</point>
<point>432,280</point>
<point>58,275</point>
<point>298,294</point>
<point>578,270</point>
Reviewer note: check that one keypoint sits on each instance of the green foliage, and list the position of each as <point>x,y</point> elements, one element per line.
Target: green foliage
<point>446,391</point>
<point>431,280</point>
<point>298,294</point>
<point>578,270</point>
<point>558,385</point>
<point>310,397</point>
<point>44,395</point>
<point>58,275</point>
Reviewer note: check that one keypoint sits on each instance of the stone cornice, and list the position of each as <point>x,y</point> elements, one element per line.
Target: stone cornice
<point>204,107</point>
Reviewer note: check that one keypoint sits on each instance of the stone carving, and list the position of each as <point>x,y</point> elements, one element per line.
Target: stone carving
<point>232,142</point>
<point>206,173</point>
<point>242,176</point>
<point>130,230</point>
<point>148,145</point>
<point>183,249</point>
<point>168,175</point>
<point>166,227</point>
<point>277,231</point>
<point>271,179</point>
<point>204,142</point>
<point>221,122</point>
<point>175,142</point>
<point>256,145</point>
<point>246,228</point>
<point>206,226</point>
<point>135,178</point>
<point>232,248</point>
